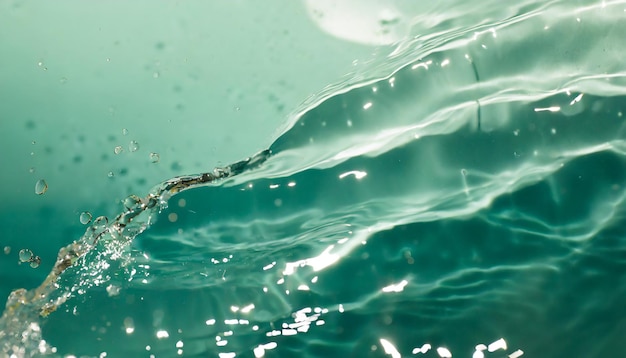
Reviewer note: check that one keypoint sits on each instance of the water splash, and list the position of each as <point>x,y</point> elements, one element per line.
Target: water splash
<point>19,325</point>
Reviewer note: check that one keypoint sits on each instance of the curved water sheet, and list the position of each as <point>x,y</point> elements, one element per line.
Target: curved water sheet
<point>469,203</point>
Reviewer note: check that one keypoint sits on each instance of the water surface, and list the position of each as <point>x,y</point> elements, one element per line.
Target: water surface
<point>463,196</point>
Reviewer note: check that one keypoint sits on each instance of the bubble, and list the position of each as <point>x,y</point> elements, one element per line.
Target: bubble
<point>85,217</point>
<point>35,262</point>
<point>118,149</point>
<point>154,157</point>
<point>25,255</point>
<point>110,175</point>
<point>7,250</point>
<point>124,131</point>
<point>133,146</point>
<point>41,187</point>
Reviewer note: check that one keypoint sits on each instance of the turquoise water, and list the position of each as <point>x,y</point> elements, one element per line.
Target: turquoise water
<point>461,197</point>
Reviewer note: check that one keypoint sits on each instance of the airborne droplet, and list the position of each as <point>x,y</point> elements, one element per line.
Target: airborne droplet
<point>85,217</point>
<point>25,255</point>
<point>154,157</point>
<point>41,187</point>
<point>133,146</point>
<point>118,149</point>
<point>35,262</point>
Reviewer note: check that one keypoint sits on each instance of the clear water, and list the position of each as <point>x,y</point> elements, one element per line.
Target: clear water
<point>463,196</point>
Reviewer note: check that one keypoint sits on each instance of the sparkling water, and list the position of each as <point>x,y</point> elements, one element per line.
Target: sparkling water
<point>460,196</point>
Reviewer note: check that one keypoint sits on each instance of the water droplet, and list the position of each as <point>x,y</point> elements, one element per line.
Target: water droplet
<point>118,149</point>
<point>40,63</point>
<point>133,146</point>
<point>98,228</point>
<point>7,250</point>
<point>85,217</point>
<point>100,222</point>
<point>35,262</point>
<point>124,131</point>
<point>32,169</point>
<point>25,255</point>
<point>33,142</point>
<point>63,80</point>
<point>41,187</point>
<point>131,202</point>
<point>154,157</point>
<point>155,75</point>
<point>110,175</point>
